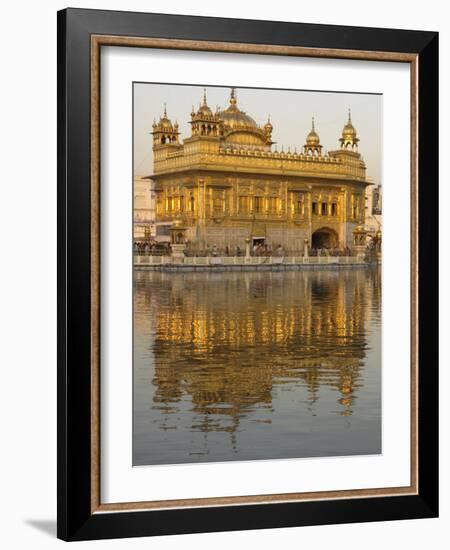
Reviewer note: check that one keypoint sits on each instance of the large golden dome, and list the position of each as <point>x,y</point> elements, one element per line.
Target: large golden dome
<point>233,118</point>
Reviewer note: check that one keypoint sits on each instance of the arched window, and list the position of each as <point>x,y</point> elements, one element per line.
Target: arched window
<point>299,204</point>
<point>274,205</point>
<point>258,205</point>
<point>243,204</point>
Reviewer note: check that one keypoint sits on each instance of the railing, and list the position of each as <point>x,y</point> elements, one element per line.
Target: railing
<point>247,260</point>
<point>276,161</point>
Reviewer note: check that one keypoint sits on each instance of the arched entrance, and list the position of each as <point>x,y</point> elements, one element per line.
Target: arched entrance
<point>324,238</point>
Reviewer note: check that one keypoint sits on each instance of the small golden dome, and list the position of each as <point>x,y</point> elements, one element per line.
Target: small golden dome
<point>349,139</point>
<point>204,109</point>
<point>165,124</point>
<point>268,126</point>
<point>312,139</point>
<point>164,121</point>
<point>349,131</point>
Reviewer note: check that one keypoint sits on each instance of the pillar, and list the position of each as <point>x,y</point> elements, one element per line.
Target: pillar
<point>305,249</point>
<point>247,248</point>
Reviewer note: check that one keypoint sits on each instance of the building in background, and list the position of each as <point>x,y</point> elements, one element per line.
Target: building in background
<point>373,209</point>
<point>144,208</point>
<point>224,185</point>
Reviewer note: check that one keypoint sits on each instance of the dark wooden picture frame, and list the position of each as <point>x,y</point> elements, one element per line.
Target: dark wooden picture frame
<point>81,34</point>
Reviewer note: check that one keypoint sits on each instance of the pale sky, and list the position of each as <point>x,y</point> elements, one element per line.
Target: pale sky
<point>290,114</point>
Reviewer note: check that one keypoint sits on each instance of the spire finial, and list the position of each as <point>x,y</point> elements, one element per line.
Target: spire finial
<point>204,96</point>
<point>313,123</point>
<point>349,116</point>
<point>165,110</point>
<point>233,96</point>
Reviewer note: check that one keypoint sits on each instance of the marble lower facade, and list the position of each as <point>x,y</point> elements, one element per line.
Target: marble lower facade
<point>235,235</point>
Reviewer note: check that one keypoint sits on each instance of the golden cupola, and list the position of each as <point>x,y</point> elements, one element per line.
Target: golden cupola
<point>164,132</point>
<point>349,139</point>
<point>204,122</point>
<point>240,130</point>
<point>268,128</point>
<point>312,146</point>
<point>204,110</point>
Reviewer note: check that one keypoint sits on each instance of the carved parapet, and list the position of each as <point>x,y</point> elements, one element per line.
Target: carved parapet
<point>227,158</point>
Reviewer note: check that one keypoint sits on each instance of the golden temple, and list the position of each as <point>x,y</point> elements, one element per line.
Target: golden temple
<point>225,184</point>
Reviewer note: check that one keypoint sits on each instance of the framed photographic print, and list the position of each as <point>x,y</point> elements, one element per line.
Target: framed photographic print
<point>247,274</point>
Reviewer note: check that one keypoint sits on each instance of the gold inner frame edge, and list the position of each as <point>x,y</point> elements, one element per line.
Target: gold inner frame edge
<point>97,41</point>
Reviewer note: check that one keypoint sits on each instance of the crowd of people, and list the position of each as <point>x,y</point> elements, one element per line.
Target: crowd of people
<point>330,251</point>
<point>152,248</point>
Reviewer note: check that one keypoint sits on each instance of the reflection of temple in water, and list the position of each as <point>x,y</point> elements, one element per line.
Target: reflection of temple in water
<point>229,343</point>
